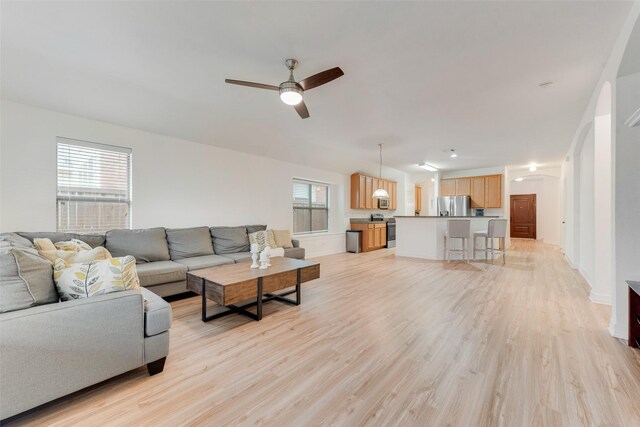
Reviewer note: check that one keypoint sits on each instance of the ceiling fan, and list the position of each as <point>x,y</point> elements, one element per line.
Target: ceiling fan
<point>291,91</point>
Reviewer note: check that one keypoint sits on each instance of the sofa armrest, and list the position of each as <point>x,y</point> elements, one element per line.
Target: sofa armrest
<point>52,350</point>
<point>295,243</point>
<point>157,314</point>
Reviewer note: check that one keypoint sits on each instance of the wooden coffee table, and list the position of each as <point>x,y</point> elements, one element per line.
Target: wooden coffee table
<point>229,285</point>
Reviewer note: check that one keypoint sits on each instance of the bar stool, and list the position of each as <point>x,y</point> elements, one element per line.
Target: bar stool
<point>457,229</point>
<point>497,229</point>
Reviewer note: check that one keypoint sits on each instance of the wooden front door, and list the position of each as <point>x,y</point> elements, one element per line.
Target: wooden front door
<point>523,216</point>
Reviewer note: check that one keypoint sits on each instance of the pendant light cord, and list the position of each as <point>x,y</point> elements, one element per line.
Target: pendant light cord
<point>380,174</point>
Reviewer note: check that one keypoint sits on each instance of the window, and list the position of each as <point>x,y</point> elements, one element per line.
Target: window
<point>310,207</point>
<point>94,186</point>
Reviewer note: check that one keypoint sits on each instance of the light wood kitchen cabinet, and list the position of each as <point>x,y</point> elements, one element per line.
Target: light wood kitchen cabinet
<point>477,191</point>
<point>485,191</point>
<point>362,188</point>
<point>368,193</point>
<point>448,187</point>
<point>493,191</point>
<point>463,186</point>
<point>374,236</point>
<point>418,198</point>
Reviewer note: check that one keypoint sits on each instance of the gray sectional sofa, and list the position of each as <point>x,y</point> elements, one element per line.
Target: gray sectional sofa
<point>49,349</point>
<point>164,255</point>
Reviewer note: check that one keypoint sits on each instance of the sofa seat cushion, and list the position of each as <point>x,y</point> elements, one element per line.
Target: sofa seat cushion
<point>155,273</point>
<point>238,256</point>
<point>297,253</point>
<point>146,245</point>
<point>157,314</point>
<point>199,262</point>
<point>189,242</point>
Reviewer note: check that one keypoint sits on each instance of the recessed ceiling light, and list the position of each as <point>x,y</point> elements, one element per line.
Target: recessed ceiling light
<point>433,180</point>
<point>428,167</point>
<point>519,179</point>
<point>453,155</point>
<point>546,84</point>
<point>533,168</point>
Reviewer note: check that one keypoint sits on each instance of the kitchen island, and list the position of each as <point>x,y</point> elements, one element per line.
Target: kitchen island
<point>423,236</point>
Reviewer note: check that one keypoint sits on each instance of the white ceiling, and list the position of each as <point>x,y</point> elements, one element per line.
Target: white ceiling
<point>420,77</point>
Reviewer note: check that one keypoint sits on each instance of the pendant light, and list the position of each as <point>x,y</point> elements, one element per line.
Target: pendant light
<point>380,193</point>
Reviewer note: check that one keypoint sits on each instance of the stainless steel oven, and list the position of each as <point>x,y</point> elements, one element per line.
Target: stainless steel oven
<point>391,233</point>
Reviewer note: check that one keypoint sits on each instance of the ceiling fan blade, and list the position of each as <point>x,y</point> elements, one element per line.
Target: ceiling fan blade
<point>321,78</point>
<point>301,108</point>
<point>252,84</point>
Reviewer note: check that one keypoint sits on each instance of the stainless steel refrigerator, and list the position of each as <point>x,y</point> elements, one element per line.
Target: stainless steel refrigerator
<point>454,206</point>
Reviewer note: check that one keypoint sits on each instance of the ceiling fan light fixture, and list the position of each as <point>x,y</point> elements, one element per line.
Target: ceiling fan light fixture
<point>290,93</point>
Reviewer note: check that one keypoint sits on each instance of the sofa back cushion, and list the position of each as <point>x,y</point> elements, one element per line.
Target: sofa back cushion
<point>92,239</point>
<point>26,278</point>
<point>189,242</point>
<point>146,245</point>
<point>254,228</point>
<point>229,240</point>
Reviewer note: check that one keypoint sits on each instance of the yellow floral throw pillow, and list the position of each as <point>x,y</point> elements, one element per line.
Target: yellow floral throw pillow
<point>84,280</point>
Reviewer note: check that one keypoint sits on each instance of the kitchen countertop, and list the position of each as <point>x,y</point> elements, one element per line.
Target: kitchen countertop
<point>448,217</point>
<point>368,221</point>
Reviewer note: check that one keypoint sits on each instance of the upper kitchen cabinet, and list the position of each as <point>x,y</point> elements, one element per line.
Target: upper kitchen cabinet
<point>493,191</point>
<point>477,192</point>
<point>362,188</point>
<point>448,187</point>
<point>485,191</point>
<point>463,187</point>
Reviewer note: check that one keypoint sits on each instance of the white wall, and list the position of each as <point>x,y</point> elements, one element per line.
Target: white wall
<point>176,183</point>
<point>570,170</point>
<point>547,191</point>
<point>627,199</point>
<point>587,238</point>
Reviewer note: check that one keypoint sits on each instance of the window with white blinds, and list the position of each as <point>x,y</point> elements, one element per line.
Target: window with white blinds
<point>94,186</point>
<point>310,207</point>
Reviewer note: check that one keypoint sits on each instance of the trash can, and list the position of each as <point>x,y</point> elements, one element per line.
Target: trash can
<point>353,241</point>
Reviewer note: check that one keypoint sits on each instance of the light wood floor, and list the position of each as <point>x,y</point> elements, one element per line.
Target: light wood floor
<point>388,341</point>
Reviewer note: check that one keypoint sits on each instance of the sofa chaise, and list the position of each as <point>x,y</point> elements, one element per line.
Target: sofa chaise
<point>49,349</point>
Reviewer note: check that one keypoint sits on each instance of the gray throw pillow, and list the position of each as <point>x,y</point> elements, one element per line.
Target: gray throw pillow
<point>146,245</point>
<point>16,239</point>
<point>189,242</point>
<point>229,240</point>
<point>26,278</point>
<point>254,228</point>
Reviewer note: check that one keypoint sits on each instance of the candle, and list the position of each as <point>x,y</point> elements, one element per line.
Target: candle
<point>255,248</point>
<point>263,256</point>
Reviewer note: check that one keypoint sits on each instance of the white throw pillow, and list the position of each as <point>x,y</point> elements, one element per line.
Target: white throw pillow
<point>84,280</point>
<point>263,239</point>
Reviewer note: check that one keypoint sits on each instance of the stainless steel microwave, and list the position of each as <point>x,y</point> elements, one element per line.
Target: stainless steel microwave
<point>383,203</point>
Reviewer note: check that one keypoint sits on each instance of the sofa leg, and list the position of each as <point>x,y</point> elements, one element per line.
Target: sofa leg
<point>156,367</point>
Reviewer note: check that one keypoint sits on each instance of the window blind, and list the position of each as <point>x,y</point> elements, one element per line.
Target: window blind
<point>310,206</point>
<point>93,186</point>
